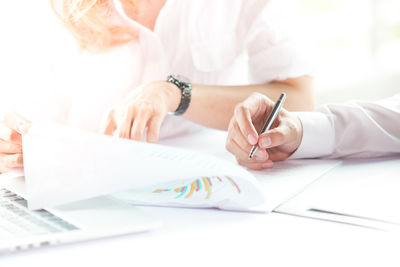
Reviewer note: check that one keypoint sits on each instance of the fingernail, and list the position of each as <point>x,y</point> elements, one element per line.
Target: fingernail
<point>265,142</point>
<point>267,165</point>
<point>252,139</point>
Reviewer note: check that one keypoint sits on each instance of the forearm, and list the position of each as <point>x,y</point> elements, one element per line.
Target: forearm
<point>357,128</point>
<point>213,106</point>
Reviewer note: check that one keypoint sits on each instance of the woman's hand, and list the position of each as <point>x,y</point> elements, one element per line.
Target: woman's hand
<point>11,129</point>
<point>144,108</point>
<point>274,145</point>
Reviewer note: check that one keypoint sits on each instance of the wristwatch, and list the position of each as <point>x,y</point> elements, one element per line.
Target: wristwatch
<point>186,88</point>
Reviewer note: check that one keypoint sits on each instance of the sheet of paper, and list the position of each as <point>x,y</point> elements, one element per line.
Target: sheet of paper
<point>363,192</point>
<point>64,165</point>
<point>278,184</point>
<point>289,178</point>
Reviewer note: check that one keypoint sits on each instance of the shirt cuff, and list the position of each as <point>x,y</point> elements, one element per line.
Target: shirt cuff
<point>318,136</point>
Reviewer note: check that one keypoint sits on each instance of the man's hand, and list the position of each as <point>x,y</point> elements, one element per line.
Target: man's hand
<point>274,145</point>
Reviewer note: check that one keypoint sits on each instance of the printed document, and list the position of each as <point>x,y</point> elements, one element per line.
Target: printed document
<point>63,164</point>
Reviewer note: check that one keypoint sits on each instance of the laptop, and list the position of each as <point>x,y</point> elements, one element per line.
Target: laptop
<point>21,228</point>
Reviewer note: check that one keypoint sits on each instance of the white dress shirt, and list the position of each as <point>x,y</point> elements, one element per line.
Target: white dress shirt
<point>352,129</point>
<point>210,42</point>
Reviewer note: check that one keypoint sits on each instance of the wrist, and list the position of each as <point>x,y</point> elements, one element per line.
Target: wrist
<point>172,94</point>
<point>294,135</point>
<point>299,132</point>
<point>185,87</point>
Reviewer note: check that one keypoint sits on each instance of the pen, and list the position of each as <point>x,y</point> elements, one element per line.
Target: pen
<point>270,120</point>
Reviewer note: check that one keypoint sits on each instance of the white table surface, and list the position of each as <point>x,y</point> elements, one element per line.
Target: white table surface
<point>208,237</point>
<point>191,237</point>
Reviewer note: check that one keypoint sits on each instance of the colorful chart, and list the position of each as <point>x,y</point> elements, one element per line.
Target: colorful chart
<point>201,184</point>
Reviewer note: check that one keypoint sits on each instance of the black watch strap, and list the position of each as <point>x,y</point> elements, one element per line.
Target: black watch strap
<point>186,88</point>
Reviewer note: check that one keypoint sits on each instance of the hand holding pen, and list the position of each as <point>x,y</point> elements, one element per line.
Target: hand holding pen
<point>271,118</point>
<point>261,126</point>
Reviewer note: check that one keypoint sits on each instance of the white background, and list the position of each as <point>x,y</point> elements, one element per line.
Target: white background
<point>353,44</point>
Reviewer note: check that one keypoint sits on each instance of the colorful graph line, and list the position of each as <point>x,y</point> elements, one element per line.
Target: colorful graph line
<point>203,183</point>
<point>233,183</point>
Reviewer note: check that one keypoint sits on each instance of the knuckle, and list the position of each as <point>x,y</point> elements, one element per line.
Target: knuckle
<point>279,135</point>
<point>258,99</point>
<point>131,108</point>
<point>239,108</point>
<point>231,123</point>
<point>233,131</point>
<point>247,105</point>
<point>257,95</point>
<point>243,108</point>
<point>235,126</point>
<point>236,131</point>
<point>294,127</point>
<point>145,106</point>
<point>291,127</point>
<point>13,135</point>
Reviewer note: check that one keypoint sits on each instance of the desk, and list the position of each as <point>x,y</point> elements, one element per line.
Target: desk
<point>207,237</point>
<point>212,238</point>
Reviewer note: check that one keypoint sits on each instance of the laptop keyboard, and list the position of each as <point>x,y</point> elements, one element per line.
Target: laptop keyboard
<point>16,220</point>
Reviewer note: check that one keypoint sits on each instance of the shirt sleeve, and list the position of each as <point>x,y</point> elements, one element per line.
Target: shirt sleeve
<point>273,42</point>
<point>353,129</point>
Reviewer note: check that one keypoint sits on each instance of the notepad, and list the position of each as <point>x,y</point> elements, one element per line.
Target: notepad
<point>64,164</point>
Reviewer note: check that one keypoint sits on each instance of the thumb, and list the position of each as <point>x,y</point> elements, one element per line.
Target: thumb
<point>279,136</point>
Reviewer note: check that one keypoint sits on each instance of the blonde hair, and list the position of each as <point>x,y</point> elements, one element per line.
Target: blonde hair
<point>90,22</point>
